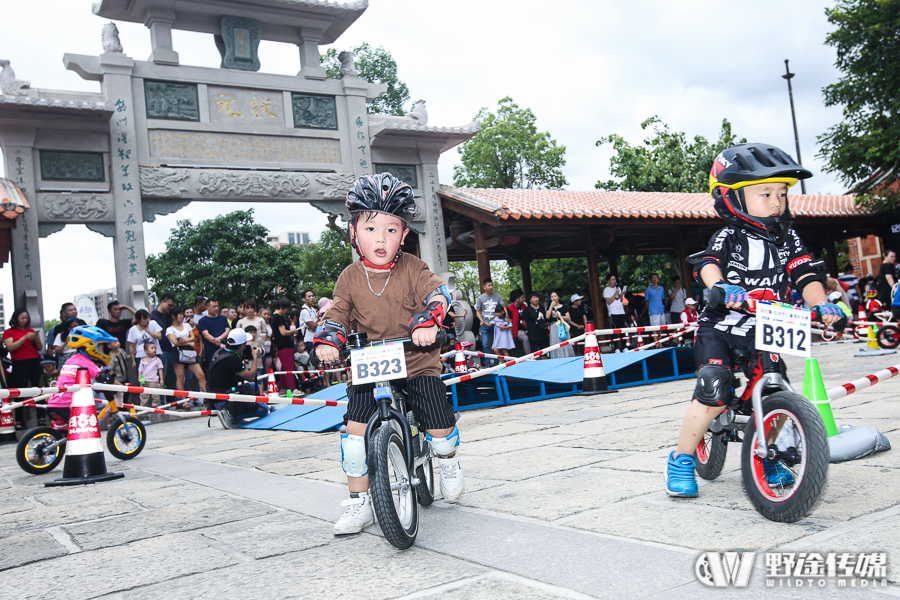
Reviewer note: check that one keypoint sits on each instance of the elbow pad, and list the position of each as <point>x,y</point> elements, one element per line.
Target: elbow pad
<point>432,315</point>
<point>331,334</point>
<point>441,291</point>
<point>698,261</point>
<point>808,269</point>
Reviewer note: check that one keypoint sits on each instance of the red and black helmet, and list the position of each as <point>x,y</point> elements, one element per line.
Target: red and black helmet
<point>750,164</point>
<point>381,192</point>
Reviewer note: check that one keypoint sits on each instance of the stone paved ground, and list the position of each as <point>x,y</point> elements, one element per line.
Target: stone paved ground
<point>564,499</point>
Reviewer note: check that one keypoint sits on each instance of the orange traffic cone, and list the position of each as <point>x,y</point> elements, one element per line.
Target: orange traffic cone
<point>459,364</point>
<point>594,375</point>
<point>7,425</point>
<point>85,462</point>
<point>271,386</point>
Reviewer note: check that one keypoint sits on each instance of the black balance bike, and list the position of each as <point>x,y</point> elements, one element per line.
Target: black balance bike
<point>401,473</point>
<point>779,426</point>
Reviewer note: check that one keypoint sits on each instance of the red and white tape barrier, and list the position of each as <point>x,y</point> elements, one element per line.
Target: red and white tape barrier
<point>863,382</point>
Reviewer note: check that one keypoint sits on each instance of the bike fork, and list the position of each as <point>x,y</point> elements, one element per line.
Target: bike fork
<point>772,380</point>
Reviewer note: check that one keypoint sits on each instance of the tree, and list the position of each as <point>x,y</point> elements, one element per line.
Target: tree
<point>226,258</point>
<point>509,152</point>
<point>375,65</point>
<point>666,162</point>
<point>320,264</point>
<point>864,148</point>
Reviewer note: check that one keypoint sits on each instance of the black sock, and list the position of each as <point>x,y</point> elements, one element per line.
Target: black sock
<point>354,494</point>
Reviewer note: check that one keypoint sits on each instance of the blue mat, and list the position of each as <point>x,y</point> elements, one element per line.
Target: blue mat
<point>326,418</point>
<point>571,370</point>
<point>280,416</point>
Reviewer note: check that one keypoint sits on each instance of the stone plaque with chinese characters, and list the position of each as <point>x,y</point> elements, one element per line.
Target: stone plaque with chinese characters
<point>246,106</point>
<point>239,43</point>
<point>314,112</point>
<point>171,101</point>
<point>405,173</point>
<point>72,166</point>
<point>223,149</point>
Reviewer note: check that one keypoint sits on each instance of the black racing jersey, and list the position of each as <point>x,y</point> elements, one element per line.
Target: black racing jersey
<point>758,266</point>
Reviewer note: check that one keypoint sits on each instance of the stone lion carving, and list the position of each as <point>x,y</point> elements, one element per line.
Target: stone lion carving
<point>9,85</point>
<point>417,116</point>
<point>348,65</point>
<point>110,39</point>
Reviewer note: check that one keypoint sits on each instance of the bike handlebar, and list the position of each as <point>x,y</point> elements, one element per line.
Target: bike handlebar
<point>717,297</point>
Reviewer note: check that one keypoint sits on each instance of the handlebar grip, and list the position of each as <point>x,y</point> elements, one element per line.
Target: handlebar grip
<point>444,336</point>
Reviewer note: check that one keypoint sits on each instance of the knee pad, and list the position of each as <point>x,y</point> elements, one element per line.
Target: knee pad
<point>713,385</point>
<point>353,455</point>
<point>444,446</point>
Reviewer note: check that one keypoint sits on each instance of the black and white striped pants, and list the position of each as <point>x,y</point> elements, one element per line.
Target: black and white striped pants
<point>427,397</point>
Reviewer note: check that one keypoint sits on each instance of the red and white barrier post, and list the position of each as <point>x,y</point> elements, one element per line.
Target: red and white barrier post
<point>85,462</point>
<point>594,375</point>
<point>7,424</point>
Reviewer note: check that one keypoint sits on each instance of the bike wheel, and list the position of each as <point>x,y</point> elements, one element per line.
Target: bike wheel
<point>888,337</point>
<point>802,447</point>
<point>126,440</point>
<point>393,496</point>
<point>424,472</point>
<point>710,455</point>
<point>32,454</point>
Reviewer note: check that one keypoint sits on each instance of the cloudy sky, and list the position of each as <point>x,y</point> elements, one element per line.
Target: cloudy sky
<point>586,68</point>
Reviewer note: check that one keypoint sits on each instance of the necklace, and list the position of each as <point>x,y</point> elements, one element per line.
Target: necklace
<point>366,271</point>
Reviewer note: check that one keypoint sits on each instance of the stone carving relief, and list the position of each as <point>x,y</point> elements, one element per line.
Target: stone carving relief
<point>171,101</point>
<point>336,185</point>
<point>72,166</point>
<point>314,112</point>
<point>76,207</point>
<point>348,65</point>
<point>405,173</point>
<point>163,183</point>
<point>239,43</point>
<point>252,185</point>
<point>9,85</point>
<point>110,39</point>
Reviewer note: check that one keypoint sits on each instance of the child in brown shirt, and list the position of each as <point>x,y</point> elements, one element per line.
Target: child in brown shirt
<point>382,294</point>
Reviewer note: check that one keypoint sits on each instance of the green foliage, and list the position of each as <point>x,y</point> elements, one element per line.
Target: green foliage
<point>320,264</point>
<point>503,276</point>
<point>375,65</point>
<point>226,258</point>
<point>666,162</point>
<point>867,41</point>
<point>49,324</point>
<point>509,152</point>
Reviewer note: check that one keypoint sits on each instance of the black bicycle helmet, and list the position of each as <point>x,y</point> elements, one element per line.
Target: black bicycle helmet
<point>750,164</point>
<point>381,192</point>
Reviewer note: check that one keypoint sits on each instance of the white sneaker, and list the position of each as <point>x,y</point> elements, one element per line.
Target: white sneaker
<point>357,517</point>
<point>452,482</point>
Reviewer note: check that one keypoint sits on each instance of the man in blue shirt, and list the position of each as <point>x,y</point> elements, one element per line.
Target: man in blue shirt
<point>214,329</point>
<point>654,303</point>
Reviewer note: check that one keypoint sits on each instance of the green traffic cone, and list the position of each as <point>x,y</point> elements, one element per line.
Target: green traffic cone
<point>814,391</point>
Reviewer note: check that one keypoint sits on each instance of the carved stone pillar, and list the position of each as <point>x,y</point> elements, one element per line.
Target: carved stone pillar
<point>310,67</point>
<point>25,259</point>
<point>432,244</point>
<point>128,243</point>
<point>482,257</point>
<point>161,39</point>
<point>358,122</point>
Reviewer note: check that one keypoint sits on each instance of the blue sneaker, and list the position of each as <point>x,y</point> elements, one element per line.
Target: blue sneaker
<point>777,475</point>
<point>680,479</point>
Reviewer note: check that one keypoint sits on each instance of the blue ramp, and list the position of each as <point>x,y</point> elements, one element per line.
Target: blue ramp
<point>298,417</point>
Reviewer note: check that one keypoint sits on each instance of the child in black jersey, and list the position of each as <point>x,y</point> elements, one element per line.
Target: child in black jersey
<point>756,257</point>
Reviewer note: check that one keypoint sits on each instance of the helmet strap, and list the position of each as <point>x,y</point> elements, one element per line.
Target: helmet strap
<point>367,262</point>
<point>741,199</point>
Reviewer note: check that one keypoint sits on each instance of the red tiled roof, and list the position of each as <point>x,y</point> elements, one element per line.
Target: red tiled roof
<point>550,204</point>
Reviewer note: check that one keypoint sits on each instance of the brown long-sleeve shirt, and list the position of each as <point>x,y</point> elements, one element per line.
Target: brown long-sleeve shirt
<point>387,316</point>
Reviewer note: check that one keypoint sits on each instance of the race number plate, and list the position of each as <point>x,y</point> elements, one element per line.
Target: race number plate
<point>378,363</point>
<point>782,329</point>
